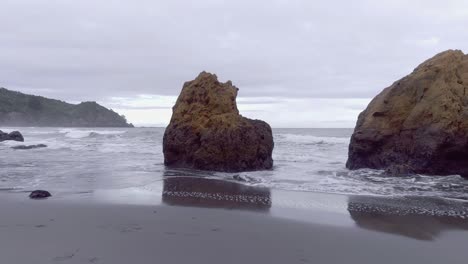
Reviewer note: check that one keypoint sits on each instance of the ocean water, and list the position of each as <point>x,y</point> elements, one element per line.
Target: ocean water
<point>80,161</point>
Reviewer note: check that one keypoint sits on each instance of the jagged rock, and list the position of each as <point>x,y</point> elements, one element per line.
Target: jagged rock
<point>420,123</point>
<point>39,194</point>
<point>15,136</point>
<point>24,147</point>
<point>206,131</point>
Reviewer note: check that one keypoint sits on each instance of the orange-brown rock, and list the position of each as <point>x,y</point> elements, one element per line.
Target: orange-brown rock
<point>206,131</point>
<point>419,124</point>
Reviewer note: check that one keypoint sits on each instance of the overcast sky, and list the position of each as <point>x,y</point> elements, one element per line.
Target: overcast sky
<point>296,63</point>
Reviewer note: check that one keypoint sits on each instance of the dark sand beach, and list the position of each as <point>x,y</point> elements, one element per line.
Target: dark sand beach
<point>211,221</point>
<point>112,202</point>
<point>233,132</point>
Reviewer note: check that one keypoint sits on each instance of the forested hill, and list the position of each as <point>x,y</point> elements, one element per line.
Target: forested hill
<point>18,109</point>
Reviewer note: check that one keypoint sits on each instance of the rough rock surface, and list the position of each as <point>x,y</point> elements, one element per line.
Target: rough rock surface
<point>15,136</point>
<point>419,124</point>
<point>206,131</point>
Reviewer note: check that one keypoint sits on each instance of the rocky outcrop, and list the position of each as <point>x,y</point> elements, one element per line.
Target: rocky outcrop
<point>15,136</point>
<point>419,124</point>
<point>206,131</point>
<point>24,147</point>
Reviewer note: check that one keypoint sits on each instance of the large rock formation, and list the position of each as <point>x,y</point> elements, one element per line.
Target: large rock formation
<point>206,131</point>
<point>420,123</point>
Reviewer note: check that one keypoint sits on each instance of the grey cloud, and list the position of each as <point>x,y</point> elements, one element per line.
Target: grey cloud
<point>92,50</point>
<point>259,101</point>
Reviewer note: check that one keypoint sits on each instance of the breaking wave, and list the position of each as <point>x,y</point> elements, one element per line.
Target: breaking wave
<point>307,160</point>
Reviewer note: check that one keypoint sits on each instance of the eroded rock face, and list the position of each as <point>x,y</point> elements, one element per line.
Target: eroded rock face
<point>420,123</point>
<point>206,131</point>
<point>15,136</point>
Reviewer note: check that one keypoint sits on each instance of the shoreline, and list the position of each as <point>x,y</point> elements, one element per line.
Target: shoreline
<point>172,226</point>
<point>57,232</point>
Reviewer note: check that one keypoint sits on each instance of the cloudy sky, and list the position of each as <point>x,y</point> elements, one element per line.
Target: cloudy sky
<point>297,63</point>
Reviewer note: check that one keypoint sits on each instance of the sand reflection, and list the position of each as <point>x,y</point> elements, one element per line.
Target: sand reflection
<point>420,218</point>
<point>214,193</point>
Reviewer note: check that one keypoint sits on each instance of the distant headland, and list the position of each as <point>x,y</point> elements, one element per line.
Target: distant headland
<point>18,109</point>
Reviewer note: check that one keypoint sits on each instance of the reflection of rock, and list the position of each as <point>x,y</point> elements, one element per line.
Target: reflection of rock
<point>15,136</point>
<point>23,147</point>
<point>419,124</point>
<point>207,132</point>
<point>420,218</point>
<point>203,192</point>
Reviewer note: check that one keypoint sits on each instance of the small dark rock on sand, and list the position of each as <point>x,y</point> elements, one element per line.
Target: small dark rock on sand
<point>23,147</point>
<point>39,194</point>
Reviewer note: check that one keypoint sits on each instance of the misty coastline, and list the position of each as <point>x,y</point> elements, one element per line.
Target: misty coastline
<point>22,110</point>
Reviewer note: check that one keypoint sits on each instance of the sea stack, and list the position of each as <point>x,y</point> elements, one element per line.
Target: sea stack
<point>419,124</point>
<point>207,132</point>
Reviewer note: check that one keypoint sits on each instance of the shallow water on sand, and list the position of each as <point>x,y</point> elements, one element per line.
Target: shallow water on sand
<point>125,166</point>
<point>89,159</point>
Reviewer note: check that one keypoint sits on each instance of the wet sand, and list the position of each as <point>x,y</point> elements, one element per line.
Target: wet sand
<point>194,225</point>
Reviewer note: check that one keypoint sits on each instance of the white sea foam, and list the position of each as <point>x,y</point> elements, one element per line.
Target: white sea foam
<point>78,133</point>
<point>304,160</point>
